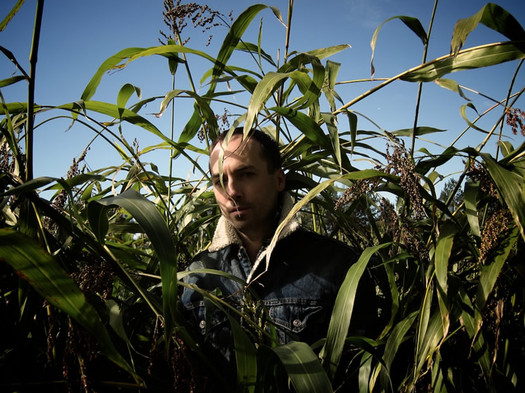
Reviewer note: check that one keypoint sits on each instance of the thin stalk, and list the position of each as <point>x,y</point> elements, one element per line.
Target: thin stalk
<point>33,58</point>
<point>172,135</point>
<point>507,101</point>
<point>286,49</point>
<point>502,117</point>
<point>420,84</point>
<point>400,76</point>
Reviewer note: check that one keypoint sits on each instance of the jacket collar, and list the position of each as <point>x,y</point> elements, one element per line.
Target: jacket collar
<point>226,235</point>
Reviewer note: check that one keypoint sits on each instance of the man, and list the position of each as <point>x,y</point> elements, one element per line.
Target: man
<point>293,291</point>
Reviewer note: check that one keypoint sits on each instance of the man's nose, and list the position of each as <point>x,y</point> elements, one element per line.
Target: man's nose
<point>233,189</point>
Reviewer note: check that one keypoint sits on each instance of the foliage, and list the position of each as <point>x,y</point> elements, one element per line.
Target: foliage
<point>90,276</point>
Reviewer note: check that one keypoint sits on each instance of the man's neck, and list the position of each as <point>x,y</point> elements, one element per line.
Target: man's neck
<point>252,246</point>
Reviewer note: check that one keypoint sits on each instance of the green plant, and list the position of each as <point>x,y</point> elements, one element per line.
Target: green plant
<point>91,278</point>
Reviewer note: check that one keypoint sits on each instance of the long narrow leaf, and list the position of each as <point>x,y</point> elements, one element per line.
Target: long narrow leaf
<point>46,276</point>
<point>477,57</point>
<point>492,16</point>
<point>303,368</point>
<point>412,23</point>
<point>154,225</point>
<point>511,186</point>
<point>342,312</point>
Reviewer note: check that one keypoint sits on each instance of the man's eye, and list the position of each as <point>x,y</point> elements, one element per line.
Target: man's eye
<point>217,181</point>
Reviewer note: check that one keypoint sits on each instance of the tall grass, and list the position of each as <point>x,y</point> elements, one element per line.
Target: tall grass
<point>91,275</point>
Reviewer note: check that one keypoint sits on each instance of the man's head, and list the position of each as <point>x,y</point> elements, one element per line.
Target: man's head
<point>252,179</point>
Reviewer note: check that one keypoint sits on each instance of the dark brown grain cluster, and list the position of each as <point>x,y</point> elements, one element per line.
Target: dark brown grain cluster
<point>177,16</point>
<point>515,119</point>
<point>400,163</point>
<point>494,231</point>
<point>478,173</point>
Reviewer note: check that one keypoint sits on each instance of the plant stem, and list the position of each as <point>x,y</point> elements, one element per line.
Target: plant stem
<point>420,84</point>
<point>33,58</point>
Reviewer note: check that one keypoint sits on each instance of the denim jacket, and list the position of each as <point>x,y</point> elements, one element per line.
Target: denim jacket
<point>293,290</point>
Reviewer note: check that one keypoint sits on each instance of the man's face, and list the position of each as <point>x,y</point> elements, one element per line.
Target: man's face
<point>249,193</point>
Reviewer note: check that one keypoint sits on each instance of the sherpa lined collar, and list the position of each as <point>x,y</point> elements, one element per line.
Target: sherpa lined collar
<point>226,235</point>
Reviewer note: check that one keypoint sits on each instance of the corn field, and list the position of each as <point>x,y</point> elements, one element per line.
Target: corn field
<point>92,263</point>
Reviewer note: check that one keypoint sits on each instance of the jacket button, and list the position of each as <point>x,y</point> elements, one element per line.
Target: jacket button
<point>202,324</point>
<point>297,323</point>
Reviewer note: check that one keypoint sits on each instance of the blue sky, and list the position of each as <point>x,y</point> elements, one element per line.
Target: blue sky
<point>77,36</point>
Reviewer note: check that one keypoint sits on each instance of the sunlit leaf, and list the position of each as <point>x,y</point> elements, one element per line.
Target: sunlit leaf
<point>476,57</point>
<point>512,188</point>
<point>491,15</point>
<point>125,93</point>
<point>46,276</point>
<point>154,225</point>
<point>412,23</point>
<point>342,312</point>
<point>451,85</point>
<point>303,368</point>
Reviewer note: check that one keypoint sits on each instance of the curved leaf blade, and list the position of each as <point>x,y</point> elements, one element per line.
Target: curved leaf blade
<point>154,225</point>
<point>46,276</point>
<point>303,367</point>
<point>494,17</point>
<point>342,312</point>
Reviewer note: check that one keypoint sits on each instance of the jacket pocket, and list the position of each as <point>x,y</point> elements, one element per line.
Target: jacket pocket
<point>298,319</point>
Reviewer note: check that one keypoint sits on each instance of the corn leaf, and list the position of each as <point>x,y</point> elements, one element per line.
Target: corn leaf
<point>490,273</point>
<point>396,338</point>
<point>443,251</point>
<point>494,17</point>
<point>412,23</point>
<point>511,185</point>
<point>125,56</point>
<point>476,57</point>
<point>154,225</point>
<point>125,94</point>
<point>342,312</point>
<point>46,276</point>
<point>303,368</point>
<point>11,14</point>
<point>470,197</point>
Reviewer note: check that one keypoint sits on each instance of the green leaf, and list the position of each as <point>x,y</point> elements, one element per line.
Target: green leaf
<point>154,225</point>
<point>252,48</point>
<point>342,312</point>
<point>419,131</point>
<point>11,14</point>
<point>46,276</point>
<point>490,273</point>
<point>306,125</point>
<point>271,82</point>
<point>394,341</point>
<point>476,57</point>
<point>511,185</point>
<point>451,85</point>
<point>470,197</point>
<point>125,93</point>
<point>303,368</point>
<point>443,251</point>
<point>11,81</point>
<point>119,113</point>
<point>494,17</point>
<point>233,37</point>
<point>125,56</point>
<point>30,185</point>
<point>202,112</point>
<point>412,23</point>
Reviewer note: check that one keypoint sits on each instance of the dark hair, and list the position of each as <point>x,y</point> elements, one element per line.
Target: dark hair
<point>269,147</point>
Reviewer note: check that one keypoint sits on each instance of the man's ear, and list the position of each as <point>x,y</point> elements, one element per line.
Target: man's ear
<point>281,180</point>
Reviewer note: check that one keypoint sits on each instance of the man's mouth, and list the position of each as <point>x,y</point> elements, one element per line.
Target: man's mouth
<point>238,211</point>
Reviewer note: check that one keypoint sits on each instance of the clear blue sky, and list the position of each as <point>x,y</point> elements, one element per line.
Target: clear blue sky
<point>77,36</point>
